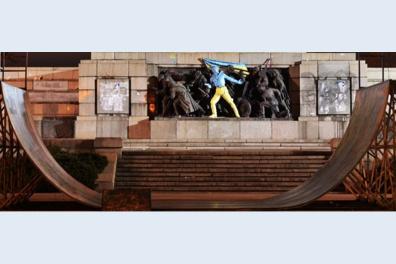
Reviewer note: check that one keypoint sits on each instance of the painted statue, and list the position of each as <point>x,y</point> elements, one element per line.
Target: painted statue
<point>190,92</point>
<point>218,80</point>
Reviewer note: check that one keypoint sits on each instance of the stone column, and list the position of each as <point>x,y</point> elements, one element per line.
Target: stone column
<point>305,76</point>
<point>138,124</point>
<point>85,125</point>
<point>112,125</point>
<point>131,65</point>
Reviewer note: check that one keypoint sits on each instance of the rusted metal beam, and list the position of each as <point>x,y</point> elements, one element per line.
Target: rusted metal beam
<point>18,131</point>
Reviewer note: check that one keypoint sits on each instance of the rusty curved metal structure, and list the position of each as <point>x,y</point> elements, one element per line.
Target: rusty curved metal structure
<point>21,140</point>
<point>364,160</point>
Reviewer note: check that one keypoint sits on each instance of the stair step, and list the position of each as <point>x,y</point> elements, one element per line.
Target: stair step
<point>220,157</point>
<point>217,170</point>
<point>225,161</point>
<point>175,200</point>
<point>212,179</point>
<point>207,188</point>
<point>211,183</point>
<point>212,174</point>
<point>233,152</point>
<point>141,166</point>
<point>229,147</point>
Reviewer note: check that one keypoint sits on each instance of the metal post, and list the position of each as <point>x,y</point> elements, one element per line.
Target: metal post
<point>358,58</point>
<point>26,68</point>
<point>382,66</point>
<point>2,65</point>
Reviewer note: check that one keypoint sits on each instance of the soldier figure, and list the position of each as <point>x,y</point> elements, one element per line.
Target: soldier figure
<point>218,80</point>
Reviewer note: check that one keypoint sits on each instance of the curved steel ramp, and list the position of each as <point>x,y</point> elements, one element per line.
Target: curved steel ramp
<point>369,111</point>
<point>18,110</point>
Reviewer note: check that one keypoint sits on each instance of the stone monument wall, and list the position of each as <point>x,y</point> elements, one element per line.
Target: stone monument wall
<point>304,68</point>
<point>53,93</point>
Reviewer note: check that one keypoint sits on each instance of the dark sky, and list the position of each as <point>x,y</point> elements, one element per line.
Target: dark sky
<point>46,59</point>
<point>72,59</point>
<point>377,59</point>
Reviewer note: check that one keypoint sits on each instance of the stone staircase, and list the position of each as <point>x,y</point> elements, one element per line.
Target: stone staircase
<point>225,144</point>
<point>212,170</point>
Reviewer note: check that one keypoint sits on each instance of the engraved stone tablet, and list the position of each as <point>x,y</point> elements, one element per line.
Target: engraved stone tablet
<point>113,96</point>
<point>334,96</point>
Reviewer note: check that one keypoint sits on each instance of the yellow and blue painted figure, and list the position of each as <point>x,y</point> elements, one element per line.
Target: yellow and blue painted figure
<point>238,68</point>
<point>218,80</point>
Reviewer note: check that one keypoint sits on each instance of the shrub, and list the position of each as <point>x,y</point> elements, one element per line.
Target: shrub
<point>84,167</point>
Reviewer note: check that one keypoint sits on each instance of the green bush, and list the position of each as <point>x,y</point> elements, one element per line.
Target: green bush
<point>84,167</point>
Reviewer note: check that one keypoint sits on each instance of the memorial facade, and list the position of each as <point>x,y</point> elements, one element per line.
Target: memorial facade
<point>153,116</point>
<point>316,113</point>
<point>82,102</point>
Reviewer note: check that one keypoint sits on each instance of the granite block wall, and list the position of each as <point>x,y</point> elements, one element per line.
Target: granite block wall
<point>54,97</point>
<point>304,70</point>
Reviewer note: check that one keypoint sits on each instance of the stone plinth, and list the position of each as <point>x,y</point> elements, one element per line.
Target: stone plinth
<point>85,127</point>
<point>207,130</point>
<point>227,129</point>
<point>139,127</point>
<point>251,129</point>
<point>112,126</point>
<point>284,130</point>
<point>164,129</point>
<point>193,129</point>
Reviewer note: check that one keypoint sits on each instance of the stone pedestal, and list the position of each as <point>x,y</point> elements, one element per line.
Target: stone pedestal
<point>112,126</point>
<point>207,130</point>
<point>85,127</point>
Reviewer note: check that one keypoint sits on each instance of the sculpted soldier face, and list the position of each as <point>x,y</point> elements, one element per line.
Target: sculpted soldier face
<point>271,99</point>
<point>263,80</point>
